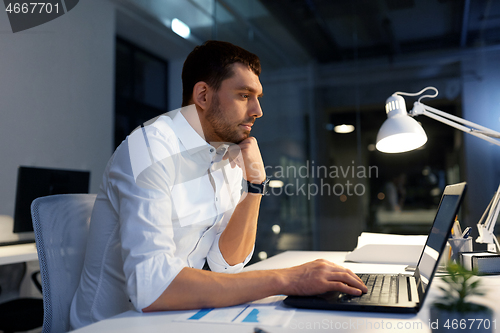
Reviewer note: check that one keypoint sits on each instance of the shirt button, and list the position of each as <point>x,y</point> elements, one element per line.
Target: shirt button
<point>211,150</point>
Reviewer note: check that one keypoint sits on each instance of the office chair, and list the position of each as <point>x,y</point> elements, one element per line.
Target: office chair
<point>61,224</point>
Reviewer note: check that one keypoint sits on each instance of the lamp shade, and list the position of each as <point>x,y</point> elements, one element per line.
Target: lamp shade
<point>400,132</point>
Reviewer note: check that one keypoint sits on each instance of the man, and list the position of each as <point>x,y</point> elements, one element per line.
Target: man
<point>170,203</point>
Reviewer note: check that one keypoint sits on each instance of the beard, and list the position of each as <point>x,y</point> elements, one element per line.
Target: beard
<point>227,132</point>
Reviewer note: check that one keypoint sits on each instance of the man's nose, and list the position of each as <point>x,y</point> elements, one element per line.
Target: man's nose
<point>255,109</point>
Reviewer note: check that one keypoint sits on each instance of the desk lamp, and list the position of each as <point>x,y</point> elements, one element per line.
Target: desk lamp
<point>487,224</point>
<point>401,133</point>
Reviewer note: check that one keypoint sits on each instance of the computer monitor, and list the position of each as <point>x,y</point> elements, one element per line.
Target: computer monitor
<point>34,182</point>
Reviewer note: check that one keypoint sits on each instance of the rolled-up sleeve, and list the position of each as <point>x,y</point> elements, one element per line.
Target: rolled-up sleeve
<point>217,262</point>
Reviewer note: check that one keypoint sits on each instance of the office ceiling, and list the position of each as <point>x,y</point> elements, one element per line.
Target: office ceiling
<point>293,32</point>
<point>335,30</point>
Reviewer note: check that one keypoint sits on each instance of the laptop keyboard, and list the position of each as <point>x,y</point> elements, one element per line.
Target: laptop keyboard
<point>382,289</point>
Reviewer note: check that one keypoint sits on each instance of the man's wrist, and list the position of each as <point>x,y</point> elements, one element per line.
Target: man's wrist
<point>280,281</point>
<point>257,188</point>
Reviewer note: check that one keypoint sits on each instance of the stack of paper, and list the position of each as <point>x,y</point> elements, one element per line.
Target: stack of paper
<point>387,249</point>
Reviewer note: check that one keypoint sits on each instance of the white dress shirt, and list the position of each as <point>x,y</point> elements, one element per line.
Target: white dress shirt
<point>165,198</point>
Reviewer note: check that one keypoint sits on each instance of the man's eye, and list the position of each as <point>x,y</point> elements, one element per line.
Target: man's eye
<point>245,96</point>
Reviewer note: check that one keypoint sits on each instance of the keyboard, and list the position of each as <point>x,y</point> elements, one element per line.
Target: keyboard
<point>382,289</point>
<point>17,242</point>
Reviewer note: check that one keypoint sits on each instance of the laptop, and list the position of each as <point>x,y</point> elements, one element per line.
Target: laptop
<point>401,293</point>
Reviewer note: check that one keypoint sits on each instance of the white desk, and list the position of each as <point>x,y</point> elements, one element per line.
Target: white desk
<point>303,320</point>
<point>15,253</point>
<point>18,253</point>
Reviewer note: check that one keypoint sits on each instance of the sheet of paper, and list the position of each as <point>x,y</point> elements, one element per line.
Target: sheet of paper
<point>266,312</point>
<point>377,238</point>
<point>387,249</point>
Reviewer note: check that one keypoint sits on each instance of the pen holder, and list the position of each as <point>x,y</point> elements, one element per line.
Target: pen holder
<point>459,245</point>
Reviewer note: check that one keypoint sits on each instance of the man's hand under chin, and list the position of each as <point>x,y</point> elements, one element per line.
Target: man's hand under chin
<point>247,156</point>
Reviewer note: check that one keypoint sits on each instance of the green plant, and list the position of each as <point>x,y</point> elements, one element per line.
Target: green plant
<point>460,285</point>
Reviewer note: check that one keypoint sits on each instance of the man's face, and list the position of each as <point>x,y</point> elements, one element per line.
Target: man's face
<point>235,106</point>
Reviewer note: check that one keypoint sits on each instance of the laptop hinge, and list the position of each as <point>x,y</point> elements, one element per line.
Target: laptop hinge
<point>412,290</point>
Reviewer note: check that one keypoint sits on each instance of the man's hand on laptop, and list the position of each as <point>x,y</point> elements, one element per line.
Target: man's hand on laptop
<point>320,276</point>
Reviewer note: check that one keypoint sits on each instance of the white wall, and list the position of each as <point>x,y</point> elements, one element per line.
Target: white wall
<point>57,89</point>
<point>56,95</point>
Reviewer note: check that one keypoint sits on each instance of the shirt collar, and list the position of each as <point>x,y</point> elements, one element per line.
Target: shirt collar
<point>220,152</point>
<point>191,140</point>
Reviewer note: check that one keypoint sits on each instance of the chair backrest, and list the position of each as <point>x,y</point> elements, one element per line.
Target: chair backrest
<point>61,224</point>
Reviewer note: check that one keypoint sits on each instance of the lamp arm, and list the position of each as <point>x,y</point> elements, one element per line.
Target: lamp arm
<point>486,224</point>
<point>482,220</point>
<point>459,120</point>
<point>454,121</point>
<point>497,246</point>
<point>494,211</point>
<point>462,128</point>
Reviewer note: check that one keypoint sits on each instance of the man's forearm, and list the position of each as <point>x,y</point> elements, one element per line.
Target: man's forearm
<point>238,239</point>
<point>195,289</point>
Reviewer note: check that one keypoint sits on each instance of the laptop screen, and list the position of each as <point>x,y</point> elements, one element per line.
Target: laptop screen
<point>448,209</point>
<point>437,237</point>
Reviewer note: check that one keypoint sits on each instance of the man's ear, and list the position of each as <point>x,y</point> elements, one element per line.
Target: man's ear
<point>201,90</point>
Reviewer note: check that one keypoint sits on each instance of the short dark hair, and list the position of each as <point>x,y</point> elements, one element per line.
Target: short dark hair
<point>211,63</point>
